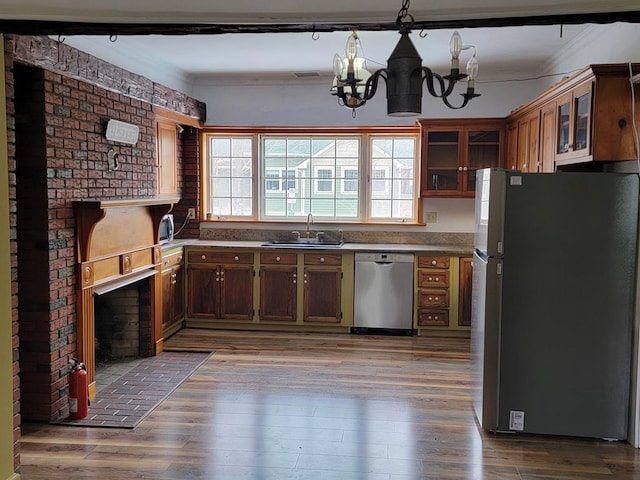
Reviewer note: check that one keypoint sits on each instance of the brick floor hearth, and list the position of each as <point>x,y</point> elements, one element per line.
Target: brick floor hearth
<point>132,396</point>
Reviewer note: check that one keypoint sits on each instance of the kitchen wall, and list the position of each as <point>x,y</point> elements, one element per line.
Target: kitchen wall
<point>308,102</point>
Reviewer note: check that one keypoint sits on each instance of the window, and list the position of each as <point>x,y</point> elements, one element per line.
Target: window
<point>269,176</point>
<point>393,177</point>
<point>230,172</point>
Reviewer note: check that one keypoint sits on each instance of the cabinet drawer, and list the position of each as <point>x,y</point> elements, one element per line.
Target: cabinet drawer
<point>433,318</point>
<point>322,259</point>
<point>271,258</point>
<point>433,298</point>
<point>172,259</point>
<point>428,261</point>
<point>204,256</point>
<point>433,278</point>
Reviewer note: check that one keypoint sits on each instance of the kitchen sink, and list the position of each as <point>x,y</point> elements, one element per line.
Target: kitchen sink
<point>304,243</point>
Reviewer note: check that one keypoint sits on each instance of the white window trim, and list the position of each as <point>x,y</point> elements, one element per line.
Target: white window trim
<point>364,193</point>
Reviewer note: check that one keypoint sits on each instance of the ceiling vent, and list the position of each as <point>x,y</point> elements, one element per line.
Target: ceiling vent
<point>306,74</point>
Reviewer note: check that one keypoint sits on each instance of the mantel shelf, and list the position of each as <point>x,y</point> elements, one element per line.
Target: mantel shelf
<point>125,202</point>
<point>115,226</point>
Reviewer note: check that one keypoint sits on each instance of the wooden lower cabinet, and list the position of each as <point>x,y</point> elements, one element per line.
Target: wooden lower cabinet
<point>172,292</point>
<point>322,288</point>
<point>443,295</point>
<point>464,291</point>
<point>278,287</point>
<point>220,285</point>
<point>294,290</point>
<point>322,295</point>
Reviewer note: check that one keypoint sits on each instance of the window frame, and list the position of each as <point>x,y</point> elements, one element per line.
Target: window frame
<point>363,194</point>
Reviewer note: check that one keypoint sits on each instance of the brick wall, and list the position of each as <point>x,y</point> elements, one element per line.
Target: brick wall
<point>13,245</point>
<point>57,113</point>
<point>190,180</point>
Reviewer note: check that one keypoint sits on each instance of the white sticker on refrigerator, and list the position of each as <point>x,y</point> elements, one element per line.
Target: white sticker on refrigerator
<point>515,180</point>
<point>516,420</point>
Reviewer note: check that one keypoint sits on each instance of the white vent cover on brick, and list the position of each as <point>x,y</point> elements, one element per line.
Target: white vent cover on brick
<point>118,131</point>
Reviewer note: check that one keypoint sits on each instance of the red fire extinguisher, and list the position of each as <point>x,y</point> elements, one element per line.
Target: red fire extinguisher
<point>78,390</point>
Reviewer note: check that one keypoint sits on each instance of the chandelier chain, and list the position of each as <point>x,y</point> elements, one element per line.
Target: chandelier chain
<point>403,15</point>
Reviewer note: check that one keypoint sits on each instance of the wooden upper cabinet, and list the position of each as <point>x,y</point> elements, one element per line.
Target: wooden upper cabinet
<point>523,143</point>
<point>584,118</point>
<point>573,114</point>
<point>452,151</point>
<point>547,138</point>
<point>167,141</point>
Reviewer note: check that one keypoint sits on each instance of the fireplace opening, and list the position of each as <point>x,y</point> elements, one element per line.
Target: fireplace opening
<point>123,321</point>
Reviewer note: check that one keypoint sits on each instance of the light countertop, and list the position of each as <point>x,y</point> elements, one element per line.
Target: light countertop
<point>346,247</point>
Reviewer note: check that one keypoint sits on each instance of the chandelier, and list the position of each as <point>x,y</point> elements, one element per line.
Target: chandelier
<point>404,75</point>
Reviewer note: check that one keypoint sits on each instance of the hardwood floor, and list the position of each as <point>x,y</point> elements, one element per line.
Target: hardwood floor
<point>279,406</point>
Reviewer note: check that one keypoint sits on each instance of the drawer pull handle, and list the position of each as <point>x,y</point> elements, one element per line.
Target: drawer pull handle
<point>203,257</point>
<point>236,258</point>
<point>277,259</point>
<point>321,259</point>
<point>433,262</point>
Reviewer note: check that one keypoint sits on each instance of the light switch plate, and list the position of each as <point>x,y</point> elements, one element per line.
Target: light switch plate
<point>191,213</point>
<point>431,217</point>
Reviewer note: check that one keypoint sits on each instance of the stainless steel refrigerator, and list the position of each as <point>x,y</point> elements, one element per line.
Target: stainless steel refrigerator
<point>554,285</point>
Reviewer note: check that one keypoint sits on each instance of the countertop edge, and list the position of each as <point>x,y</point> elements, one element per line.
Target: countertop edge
<point>347,247</point>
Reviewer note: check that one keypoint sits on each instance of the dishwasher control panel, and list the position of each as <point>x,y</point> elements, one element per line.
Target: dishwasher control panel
<point>384,257</point>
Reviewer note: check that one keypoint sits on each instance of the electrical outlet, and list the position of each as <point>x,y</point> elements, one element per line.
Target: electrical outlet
<point>431,217</point>
<point>191,213</point>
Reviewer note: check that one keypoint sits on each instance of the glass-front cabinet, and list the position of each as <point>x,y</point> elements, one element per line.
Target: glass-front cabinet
<point>452,151</point>
<point>574,124</point>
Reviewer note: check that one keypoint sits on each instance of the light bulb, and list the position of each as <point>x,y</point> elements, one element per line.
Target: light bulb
<point>455,44</point>
<point>472,67</point>
<point>338,65</point>
<point>351,50</point>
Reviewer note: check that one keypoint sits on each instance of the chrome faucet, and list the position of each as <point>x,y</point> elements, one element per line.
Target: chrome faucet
<point>309,223</point>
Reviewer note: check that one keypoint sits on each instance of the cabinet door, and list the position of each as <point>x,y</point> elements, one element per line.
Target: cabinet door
<point>547,136</point>
<point>322,298</point>
<point>204,291</point>
<point>441,159</point>
<point>573,114</point>
<point>167,298</point>
<point>236,292</point>
<point>482,151</point>
<point>178,292</point>
<point>464,292</point>
<point>167,158</point>
<point>533,142</point>
<point>512,146</point>
<point>278,293</point>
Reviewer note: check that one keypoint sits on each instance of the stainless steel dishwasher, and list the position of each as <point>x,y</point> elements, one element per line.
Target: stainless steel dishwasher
<point>383,297</point>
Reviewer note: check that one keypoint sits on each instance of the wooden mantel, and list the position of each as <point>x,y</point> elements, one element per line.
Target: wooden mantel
<point>117,242</point>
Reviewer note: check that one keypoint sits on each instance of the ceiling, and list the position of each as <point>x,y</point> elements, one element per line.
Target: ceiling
<point>306,39</point>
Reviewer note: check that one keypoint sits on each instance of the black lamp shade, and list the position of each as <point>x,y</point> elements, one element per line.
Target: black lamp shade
<point>404,79</point>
